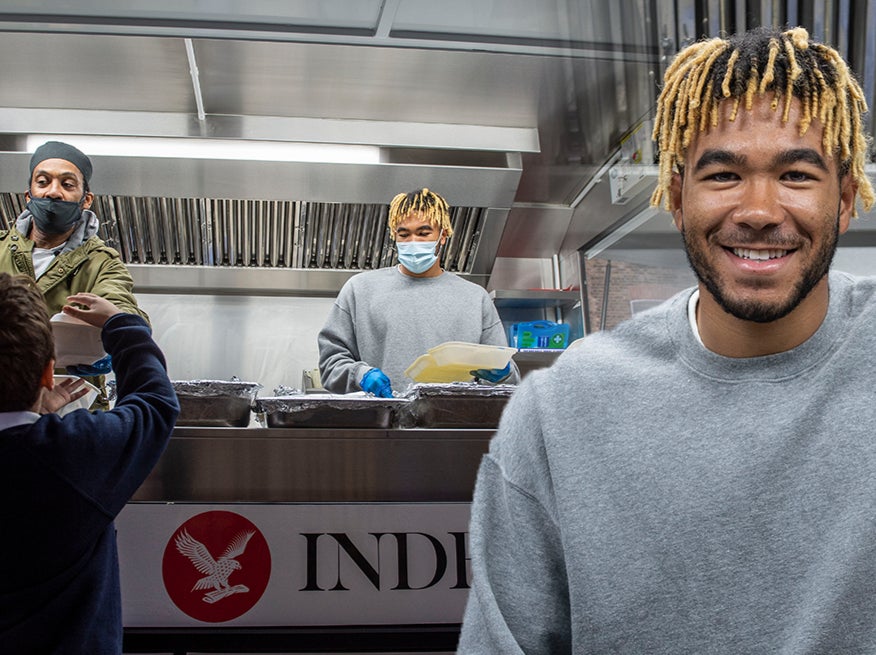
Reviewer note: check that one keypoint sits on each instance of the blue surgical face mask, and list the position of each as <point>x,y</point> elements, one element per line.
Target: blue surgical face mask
<point>417,256</point>
<point>54,216</point>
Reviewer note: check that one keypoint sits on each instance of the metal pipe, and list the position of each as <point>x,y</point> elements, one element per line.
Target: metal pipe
<point>583,291</point>
<point>196,82</point>
<point>557,283</point>
<point>605,287</point>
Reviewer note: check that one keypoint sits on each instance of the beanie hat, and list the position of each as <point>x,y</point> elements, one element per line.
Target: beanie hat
<point>59,150</point>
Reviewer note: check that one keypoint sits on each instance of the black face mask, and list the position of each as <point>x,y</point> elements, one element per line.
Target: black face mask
<point>54,216</point>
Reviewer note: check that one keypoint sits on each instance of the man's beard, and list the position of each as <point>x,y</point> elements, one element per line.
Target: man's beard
<point>758,311</point>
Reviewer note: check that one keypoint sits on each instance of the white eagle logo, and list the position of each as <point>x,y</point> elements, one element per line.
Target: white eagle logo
<point>216,571</point>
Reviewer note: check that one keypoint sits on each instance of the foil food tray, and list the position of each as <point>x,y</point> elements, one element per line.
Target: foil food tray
<point>455,405</point>
<point>310,410</point>
<point>215,403</point>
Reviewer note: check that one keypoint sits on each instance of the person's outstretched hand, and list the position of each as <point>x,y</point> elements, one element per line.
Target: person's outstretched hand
<point>90,308</point>
<point>65,391</point>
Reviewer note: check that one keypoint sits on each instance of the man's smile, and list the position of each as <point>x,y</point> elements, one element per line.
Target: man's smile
<point>761,255</point>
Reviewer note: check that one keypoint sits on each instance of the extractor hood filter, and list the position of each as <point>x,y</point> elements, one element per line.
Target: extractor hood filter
<point>258,233</point>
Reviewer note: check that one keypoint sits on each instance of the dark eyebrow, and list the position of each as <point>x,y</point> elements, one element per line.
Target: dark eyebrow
<point>64,175</point>
<point>784,158</point>
<point>416,228</point>
<point>714,156</point>
<point>807,155</point>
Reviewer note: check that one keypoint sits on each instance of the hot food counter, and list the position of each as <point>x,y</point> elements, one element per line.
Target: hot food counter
<point>302,539</point>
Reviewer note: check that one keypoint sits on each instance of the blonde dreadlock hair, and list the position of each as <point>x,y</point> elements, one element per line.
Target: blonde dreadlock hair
<point>786,64</point>
<point>433,207</point>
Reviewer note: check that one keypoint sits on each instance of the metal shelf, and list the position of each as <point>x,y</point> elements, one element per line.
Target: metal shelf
<point>534,298</point>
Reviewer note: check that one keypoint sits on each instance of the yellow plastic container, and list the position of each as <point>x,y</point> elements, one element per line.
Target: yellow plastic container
<point>451,361</point>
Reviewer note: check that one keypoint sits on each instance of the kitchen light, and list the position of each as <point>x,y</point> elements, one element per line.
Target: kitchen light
<point>195,148</point>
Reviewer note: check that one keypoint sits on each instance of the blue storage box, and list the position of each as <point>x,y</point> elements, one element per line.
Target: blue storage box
<point>539,334</point>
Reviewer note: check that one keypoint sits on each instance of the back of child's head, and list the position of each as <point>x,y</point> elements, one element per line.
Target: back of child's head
<point>26,342</point>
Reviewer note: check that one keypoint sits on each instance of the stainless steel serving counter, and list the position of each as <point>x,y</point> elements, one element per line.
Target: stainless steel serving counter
<point>356,539</point>
<point>252,464</point>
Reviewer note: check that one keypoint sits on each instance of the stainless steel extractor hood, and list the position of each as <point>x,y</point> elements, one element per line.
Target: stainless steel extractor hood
<point>222,225</point>
<point>208,245</point>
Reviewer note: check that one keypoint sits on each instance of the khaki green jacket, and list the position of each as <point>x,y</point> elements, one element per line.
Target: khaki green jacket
<point>92,267</point>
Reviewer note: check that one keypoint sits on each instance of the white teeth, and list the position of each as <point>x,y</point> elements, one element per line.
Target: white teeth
<point>763,255</point>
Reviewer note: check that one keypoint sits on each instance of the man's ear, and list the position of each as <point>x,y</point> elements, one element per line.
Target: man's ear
<point>87,200</point>
<point>47,379</point>
<point>675,185</point>
<point>848,193</point>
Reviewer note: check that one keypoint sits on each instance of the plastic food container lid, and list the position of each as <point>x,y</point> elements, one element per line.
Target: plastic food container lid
<point>451,361</point>
<point>76,342</point>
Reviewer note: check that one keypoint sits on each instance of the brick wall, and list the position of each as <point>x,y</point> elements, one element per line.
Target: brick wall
<point>630,282</point>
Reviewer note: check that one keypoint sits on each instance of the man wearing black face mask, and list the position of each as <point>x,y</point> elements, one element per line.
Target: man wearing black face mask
<point>55,242</point>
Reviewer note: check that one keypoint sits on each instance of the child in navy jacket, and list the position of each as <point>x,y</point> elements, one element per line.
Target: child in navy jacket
<point>66,479</point>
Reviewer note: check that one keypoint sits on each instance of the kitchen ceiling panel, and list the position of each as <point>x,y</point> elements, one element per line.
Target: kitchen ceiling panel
<point>76,71</point>
<point>579,24</point>
<point>371,83</point>
<point>357,14</point>
<point>546,19</point>
<point>574,71</point>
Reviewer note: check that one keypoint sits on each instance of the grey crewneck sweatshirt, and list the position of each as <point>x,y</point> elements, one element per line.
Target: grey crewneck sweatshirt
<point>645,495</point>
<point>386,319</point>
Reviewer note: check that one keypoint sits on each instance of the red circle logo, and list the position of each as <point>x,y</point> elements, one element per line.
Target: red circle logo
<point>216,566</point>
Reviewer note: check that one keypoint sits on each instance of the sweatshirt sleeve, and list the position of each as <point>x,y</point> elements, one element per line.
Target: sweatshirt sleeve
<point>108,455</point>
<point>340,368</point>
<point>519,597</point>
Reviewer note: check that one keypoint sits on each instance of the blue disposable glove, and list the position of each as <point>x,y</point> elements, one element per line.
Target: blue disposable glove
<point>102,366</point>
<point>376,382</point>
<point>494,375</point>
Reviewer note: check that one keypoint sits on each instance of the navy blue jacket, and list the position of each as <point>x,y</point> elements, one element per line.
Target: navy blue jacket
<point>64,481</point>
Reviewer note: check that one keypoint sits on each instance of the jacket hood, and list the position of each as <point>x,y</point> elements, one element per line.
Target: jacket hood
<point>86,227</point>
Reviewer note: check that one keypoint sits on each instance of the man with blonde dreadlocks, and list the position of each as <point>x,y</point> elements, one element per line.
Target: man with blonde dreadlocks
<point>708,484</point>
<point>384,319</point>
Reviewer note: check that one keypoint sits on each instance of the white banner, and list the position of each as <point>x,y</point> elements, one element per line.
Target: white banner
<point>293,564</point>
